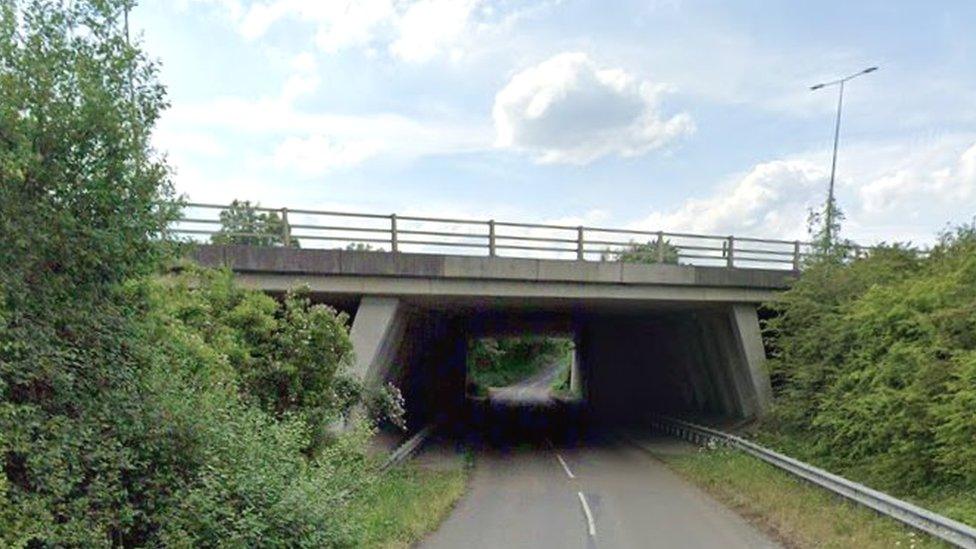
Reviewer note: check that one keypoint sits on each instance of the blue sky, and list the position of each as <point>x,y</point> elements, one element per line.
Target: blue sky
<point>674,115</point>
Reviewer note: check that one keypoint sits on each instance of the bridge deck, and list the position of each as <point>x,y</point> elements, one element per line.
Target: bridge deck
<point>447,277</point>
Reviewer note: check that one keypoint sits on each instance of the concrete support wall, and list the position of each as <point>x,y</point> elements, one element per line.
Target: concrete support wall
<point>748,338</point>
<point>420,352</point>
<point>736,360</point>
<point>633,365</point>
<point>704,362</point>
<point>435,369</point>
<point>377,334</point>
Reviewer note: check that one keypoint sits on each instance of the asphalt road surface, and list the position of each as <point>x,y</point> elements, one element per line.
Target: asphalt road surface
<point>543,480</point>
<point>534,390</point>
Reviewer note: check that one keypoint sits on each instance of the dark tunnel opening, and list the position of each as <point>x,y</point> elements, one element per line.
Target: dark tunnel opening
<point>631,363</point>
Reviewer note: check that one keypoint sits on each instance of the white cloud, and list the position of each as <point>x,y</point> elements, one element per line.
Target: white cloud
<point>940,182</point>
<point>889,191</point>
<point>428,27</point>
<point>569,110</point>
<point>771,200</point>
<point>319,154</point>
<point>354,23</point>
<point>410,30</point>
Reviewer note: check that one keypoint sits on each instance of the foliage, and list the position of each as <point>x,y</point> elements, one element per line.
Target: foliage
<point>82,205</point>
<point>290,357</point>
<point>137,411</point>
<point>499,362</point>
<point>245,223</point>
<point>83,196</point>
<point>643,252</point>
<point>874,363</point>
<point>826,236</point>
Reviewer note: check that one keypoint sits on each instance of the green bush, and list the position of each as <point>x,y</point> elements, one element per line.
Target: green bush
<point>874,363</point>
<point>137,410</point>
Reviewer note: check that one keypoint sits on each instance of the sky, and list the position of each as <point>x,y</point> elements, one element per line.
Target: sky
<point>692,116</point>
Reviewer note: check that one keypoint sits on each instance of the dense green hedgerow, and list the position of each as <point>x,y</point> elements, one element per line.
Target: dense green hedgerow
<point>875,366</point>
<point>137,410</point>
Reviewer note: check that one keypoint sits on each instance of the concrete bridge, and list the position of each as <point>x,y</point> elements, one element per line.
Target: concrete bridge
<point>649,337</point>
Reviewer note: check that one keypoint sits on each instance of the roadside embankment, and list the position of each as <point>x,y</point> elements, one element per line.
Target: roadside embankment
<point>405,503</point>
<point>796,513</point>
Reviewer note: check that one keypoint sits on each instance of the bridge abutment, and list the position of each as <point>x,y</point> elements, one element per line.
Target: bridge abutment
<point>420,352</point>
<point>697,362</point>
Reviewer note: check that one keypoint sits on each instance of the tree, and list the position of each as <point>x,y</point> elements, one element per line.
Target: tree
<point>638,252</point>
<point>84,202</point>
<point>244,223</point>
<point>124,420</point>
<point>827,244</point>
<point>84,197</point>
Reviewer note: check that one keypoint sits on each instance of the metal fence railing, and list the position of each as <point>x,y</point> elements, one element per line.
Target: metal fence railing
<point>952,531</point>
<point>395,233</point>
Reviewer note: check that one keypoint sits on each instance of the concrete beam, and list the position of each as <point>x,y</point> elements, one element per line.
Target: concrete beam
<point>442,291</point>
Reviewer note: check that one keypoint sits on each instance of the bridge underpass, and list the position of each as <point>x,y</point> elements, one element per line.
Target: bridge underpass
<point>633,360</point>
<point>648,338</point>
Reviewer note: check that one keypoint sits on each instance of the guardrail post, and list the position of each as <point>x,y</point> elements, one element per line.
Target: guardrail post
<point>285,228</point>
<point>393,233</point>
<point>660,247</point>
<point>796,255</point>
<point>491,238</point>
<point>579,244</point>
<point>730,258</point>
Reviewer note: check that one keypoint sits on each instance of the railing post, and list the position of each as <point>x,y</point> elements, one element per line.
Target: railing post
<point>393,233</point>
<point>285,228</point>
<point>579,244</point>
<point>730,258</point>
<point>491,238</point>
<point>660,246</point>
<point>796,255</point>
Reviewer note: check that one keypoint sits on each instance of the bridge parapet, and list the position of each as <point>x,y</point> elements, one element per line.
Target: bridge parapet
<point>283,227</point>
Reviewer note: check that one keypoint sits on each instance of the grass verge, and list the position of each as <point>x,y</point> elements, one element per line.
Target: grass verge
<point>406,503</point>
<point>795,512</point>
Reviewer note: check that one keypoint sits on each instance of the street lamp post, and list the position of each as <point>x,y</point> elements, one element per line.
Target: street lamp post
<point>828,227</point>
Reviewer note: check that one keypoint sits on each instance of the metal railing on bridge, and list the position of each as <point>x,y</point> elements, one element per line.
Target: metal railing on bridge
<point>257,225</point>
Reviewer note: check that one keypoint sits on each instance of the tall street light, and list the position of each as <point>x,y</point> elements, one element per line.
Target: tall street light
<point>833,164</point>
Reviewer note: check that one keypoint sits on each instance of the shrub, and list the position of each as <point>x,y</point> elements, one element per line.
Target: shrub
<point>136,411</point>
<point>874,364</point>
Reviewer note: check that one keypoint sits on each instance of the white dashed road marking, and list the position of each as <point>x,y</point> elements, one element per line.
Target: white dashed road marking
<point>591,526</point>
<point>565,467</point>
